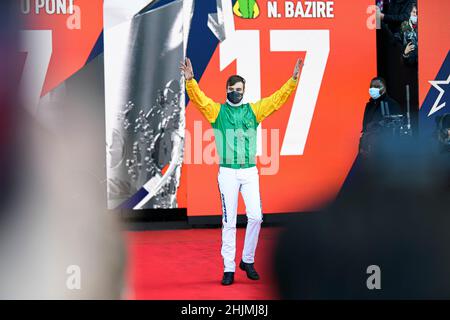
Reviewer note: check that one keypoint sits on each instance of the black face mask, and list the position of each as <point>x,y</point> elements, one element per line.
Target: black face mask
<point>235,97</point>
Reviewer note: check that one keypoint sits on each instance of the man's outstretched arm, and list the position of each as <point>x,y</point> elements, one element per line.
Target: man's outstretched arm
<point>204,104</point>
<point>266,106</point>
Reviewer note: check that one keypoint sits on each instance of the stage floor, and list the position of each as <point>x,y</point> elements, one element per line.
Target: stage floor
<point>187,265</point>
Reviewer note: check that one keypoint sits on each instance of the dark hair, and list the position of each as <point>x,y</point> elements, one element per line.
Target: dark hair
<point>379,79</point>
<point>235,79</point>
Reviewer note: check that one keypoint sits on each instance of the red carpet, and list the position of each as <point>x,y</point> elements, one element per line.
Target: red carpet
<point>186,264</point>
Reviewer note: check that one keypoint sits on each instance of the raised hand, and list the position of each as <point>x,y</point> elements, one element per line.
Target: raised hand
<point>297,68</point>
<point>410,47</point>
<point>186,69</point>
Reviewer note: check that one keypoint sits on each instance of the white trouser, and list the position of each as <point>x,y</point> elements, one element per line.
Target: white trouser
<point>231,181</point>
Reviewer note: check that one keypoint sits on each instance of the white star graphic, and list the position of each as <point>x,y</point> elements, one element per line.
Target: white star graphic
<point>437,104</point>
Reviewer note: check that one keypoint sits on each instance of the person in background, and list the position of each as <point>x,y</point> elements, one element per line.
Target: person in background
<point>374,113</point>
<point>409,36</point>
<point>397,12</point>
<point>377,108</point>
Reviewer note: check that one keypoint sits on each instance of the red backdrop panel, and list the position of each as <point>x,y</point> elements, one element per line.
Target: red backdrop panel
<point>304,182</point>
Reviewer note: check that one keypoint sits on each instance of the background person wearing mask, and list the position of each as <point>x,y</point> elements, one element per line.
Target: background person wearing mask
<point>374,112</point>
<point>409,36</point>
